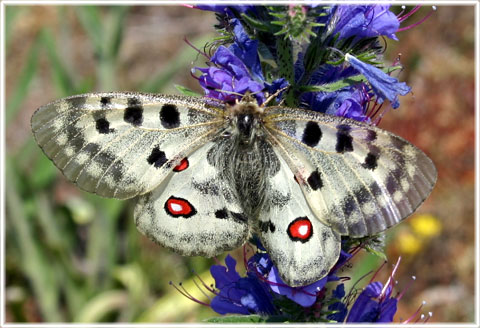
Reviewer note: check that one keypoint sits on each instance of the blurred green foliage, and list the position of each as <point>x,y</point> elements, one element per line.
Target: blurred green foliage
<point>72,256</point>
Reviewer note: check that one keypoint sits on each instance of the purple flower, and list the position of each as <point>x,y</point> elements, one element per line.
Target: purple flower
<point>246,49</point>
<point>365,21</point>
<point>374,304</point>
<point>350,102</point>
<point>237,70</point>
<point>226,10</point>
<point>304,296</point>
<point>229,75</point>
<point>239,295</point>
<point>339,307</point>
<point>382,84</point>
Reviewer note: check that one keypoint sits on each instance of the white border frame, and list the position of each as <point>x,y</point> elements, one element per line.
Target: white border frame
<point>4,3</point>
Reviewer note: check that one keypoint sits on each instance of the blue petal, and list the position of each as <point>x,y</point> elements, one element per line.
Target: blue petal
<point>388,310</point>
<point>304,296</point>
<point>226,10</point>
<point>246,49</point>
<point>259,300</point>
<point>341,313</point>
<point>222,276</point>
<point>224,306</point>
<point>365,21</point>
<point>373,289</point>
<point>364,310</point>
<point>276,85</point>
<point>382,84</point>
<point>339,292</point>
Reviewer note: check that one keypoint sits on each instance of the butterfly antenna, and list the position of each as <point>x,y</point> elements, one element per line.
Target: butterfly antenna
<point>279,91</point>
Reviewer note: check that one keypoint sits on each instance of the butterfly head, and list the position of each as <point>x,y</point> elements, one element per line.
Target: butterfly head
<point>245,119</point>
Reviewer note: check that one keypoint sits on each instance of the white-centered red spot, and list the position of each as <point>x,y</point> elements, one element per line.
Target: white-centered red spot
<point>300,229</point>
<point>182,166</point>
<point>176,207</point>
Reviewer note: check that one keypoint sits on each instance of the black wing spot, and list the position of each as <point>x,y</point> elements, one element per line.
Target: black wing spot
<point>392,184</point>
<point>105,101</point>
<point>375,189</point>
<point>312,134</point>
<point>105,159</point>
<point>103,126</point>
<point>348,205</point>
<point>267,226</point>
<point>239,217</point>
<point>157,158</point>
<point>370,161</point>
<point>315,180</point>
<point>362,194</point>
<point>169,116</point>
<point>117,171</point>
<point>371,135</point>
<point>76,138</point>
<point>221,214</point>
<point>134,112</point>
<point>344,139</point>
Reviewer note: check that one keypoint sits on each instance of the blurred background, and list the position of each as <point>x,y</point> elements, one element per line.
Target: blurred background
<point>76,257</point>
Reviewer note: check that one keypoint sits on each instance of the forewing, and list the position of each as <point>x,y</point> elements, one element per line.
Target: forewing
<point>122,144</point>
<point>303,248</point>
<point>357,178</point>
<point>194,211</point>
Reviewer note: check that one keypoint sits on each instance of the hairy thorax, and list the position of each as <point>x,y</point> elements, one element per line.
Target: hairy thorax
<point>245,158</point>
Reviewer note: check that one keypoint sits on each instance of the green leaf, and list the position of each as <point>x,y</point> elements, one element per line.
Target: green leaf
<point>180,61</point>
<point>27,75</point>
<point>116,29</point>
<point>333,86</point>
<point>266,56</point>
<point>35,263</point>
<point>253,318</point>
<point>62,79</point>
<point>101,305</point>
<point>256,24</point>
<point>89,18</point>
<point>42,172</point>
<point>11,13</point>
<point>186,91</point>
<point>381,254</point>
<point>285,67</point>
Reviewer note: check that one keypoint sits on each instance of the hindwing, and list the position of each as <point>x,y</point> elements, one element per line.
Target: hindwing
<point>194,211</point>
<point>303,248</point>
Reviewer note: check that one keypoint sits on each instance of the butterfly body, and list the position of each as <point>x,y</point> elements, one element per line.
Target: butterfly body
<point>209,175</point>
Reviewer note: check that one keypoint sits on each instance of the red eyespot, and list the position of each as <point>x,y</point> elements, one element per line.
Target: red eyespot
<point>182,166</point>
<point>300,229</point>
<point>176,207</point>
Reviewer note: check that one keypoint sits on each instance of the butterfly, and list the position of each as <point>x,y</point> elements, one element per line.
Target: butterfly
<point>208,175</point>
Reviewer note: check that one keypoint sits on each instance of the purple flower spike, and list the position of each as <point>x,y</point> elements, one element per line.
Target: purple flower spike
<point>365,21</point>
<point>231,75</point>
<point>225,275</point>
<point>242,295</point>
<point>382,84</point>
<point>246,49</point>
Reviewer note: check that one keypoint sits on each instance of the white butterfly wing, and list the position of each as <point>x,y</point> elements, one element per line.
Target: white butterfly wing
<point>122,144</point>
<point>302,247</point>
<point>357,178</point>
<point>194,211</point>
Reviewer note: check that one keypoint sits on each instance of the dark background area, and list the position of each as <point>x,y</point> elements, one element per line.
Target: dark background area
<point>72,256</point>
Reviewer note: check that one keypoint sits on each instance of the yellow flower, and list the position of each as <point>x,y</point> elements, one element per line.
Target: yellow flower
<point>408,243</point>
<point>426,225</point>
